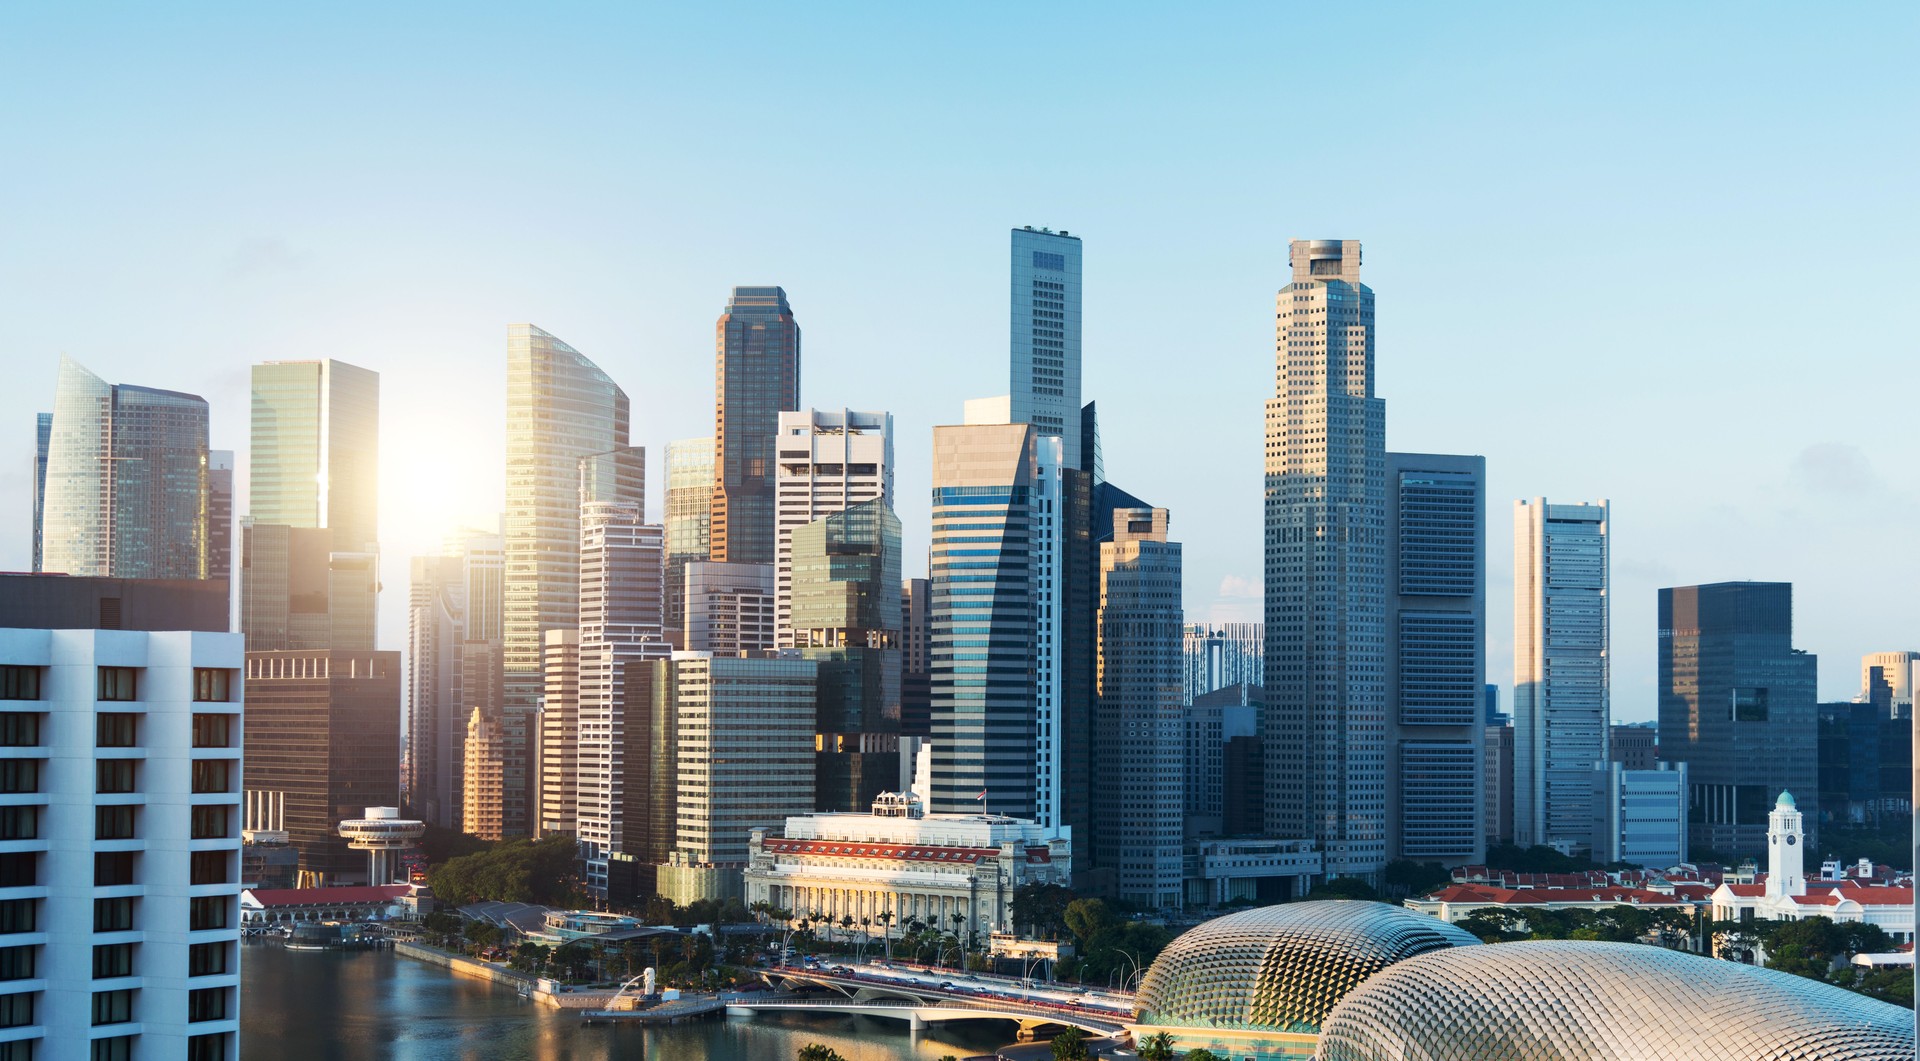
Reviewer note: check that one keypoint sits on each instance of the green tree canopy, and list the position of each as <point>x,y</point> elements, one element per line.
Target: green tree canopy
<point>513,871</point>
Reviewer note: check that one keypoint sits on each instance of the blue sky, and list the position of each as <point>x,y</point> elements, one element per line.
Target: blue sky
<point>1658,254</point>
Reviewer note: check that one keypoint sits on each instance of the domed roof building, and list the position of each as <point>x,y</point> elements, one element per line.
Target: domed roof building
<point>1282,968</point>
<point>1604,1002</point>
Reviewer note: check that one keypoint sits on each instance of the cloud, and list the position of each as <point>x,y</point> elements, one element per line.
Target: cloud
<point>1835,468</point>
<point>265,255</point>
<point>1239,586</point>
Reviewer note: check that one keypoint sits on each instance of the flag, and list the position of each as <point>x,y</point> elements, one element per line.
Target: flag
<point>982,797</point>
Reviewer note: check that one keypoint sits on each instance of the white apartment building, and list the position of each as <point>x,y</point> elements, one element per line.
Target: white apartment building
<point>827,462</point>
<point>119,845</point>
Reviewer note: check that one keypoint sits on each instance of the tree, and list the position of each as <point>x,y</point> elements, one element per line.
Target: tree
<point>817,1052</point>
<point>1157,1047</point>
<point>513,871</point>
<point>1344,888</point>
<point>1199,1053</point>
<point>885,917</point>
<point>1042,908</point>
<point>1070,1045</point>
<point>1087,918</point>
<point>1406,877</point>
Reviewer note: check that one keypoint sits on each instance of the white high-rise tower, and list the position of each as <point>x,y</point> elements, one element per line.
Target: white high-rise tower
<point>828,462</point>
<point>1786,854</point>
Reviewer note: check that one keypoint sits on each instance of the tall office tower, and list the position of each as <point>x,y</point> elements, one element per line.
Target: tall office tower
<point>985,666</point>
<point>689,520</point>
<point>220,514</point>
<point>560,407</point>
<point>1325,726</point>
<point>310,542</point>
<point>1497,783</point>
<point>756,378</point>
<point>43,439</point>
<point>729,608</point>
<point>1738,706</point>
<point>742,745</point>
<point>1634,745</point>
<point>828,462</point>
<point>622,615</point>
<point>1213,719</point>
<point>845,611</point>
<point>1560,674</point>
<point>560,753</point>
<point>453,624</point>
<point>916,649</point>
<point>483,776</point>
<point>324,729</point>
<point>1045,322</point>
<point>126,481</point>
<point>123,855</point>
<point>1436,657</point>
<point>1216,655</point>
<point>1896,669</point>
<point>1138,834</point>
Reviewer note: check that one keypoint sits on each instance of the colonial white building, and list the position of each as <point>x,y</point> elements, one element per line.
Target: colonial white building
<point>1787,895</point>
<point>899,861</point>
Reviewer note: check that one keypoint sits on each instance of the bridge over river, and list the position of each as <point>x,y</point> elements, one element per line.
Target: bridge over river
<point>920,1003</point>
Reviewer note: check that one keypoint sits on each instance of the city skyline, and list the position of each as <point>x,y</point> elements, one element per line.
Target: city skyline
<point>1186,279</point>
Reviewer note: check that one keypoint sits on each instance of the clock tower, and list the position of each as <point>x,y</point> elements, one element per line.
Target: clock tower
<point>1785,860</point>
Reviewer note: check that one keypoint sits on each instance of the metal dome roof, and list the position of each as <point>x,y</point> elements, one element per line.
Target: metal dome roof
<point>1282,968</point>
<point>1605,1002</point>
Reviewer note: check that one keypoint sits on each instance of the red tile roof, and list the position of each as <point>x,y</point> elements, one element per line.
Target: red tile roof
<point>952,856</point>
<point>328,896</point>
<point>1481,893</point>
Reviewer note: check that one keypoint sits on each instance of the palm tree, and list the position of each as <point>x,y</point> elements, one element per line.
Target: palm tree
<point>886,931</point>
<point>1157,1047</point>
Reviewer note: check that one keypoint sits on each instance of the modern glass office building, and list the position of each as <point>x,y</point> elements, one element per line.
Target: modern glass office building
<point>1325,723</point>
<point>125,481</point>
<point>756,378</point>
<point>689,519</point>
<point>314,460</point>
<point>1045,320</point>
<point>829,461</point>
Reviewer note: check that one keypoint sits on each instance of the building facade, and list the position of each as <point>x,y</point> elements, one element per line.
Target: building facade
<point>560,408</point>
<point>1561,629</point>
<point>561,753</point>
<point>1437,656</point>
<point>1497,784</point>
<point>1044,378</point>
<point>1738,705</point>
<point>119,900</point>
<point>689,519</point>
<point>484,751</point>
<point>729,607</point>
<point>1896,670</point>
<point>1216,655</point>
<point>756,378</point>
<point>125,488</point>
<point>1212,721</point>
<point>827,462</point>
<point>453,627</point>
<point>1640,815</point>
<point>1325,731</point>
<point>916,649</point>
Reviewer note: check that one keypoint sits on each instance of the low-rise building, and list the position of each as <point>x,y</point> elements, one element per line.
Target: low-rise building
<point>267,907</point>
<point>1457,902</point>
<point>1784,893</point>
<point>1264,871</point>
<point>914,866</point>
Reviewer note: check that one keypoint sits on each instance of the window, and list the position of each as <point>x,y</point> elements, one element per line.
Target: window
<point>18,915</point>
<point>207,1047</point>
<point>211,823</point>
<point>17,1050</point>
<point>16,1010</point>
<point>19,729</point>
<point>212,775</point>
<point>113,1007</point>
<point>111,915</point>
<point>115,775</point>
<point>206,959</point>
<point>210,867</point>
<point>118,1048</point>
<point>1749,704</point>
<point>19,823</point>
<point>117,683</point>
<point>208,1003</point>
<point>19,775</point>
<point>119,730</point>
<point>112,867</point>
<point>19,869</point>
<point>113,823</point>
<point>207,911</point>
<point>213,731</point>
<point>19,683</point>
<point>111,960</point>
<point>210,684</point>
<point>16,963</point>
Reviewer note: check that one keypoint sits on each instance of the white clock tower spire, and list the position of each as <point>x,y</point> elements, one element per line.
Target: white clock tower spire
<point>1785,860</point>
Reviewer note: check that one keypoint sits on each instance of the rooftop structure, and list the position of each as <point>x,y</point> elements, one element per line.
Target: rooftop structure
<point>382,834</point>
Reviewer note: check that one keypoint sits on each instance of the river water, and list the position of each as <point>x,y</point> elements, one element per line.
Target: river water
<point>367,1005</point>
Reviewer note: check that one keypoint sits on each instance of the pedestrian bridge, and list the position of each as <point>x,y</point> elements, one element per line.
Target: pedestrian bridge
<point>920,1013</point>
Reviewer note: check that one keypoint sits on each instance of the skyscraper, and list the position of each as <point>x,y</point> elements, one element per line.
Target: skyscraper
<point>828,462</point>
<point>1436,656</point>
<point>1738,705</point>
<point>309,545</point>
<point>984,661</point>
<point>1325,739</point>
<point>453,626</point>
<point>43,439</point>
<point>1560,674</point>
<point>220,514</point>
<point>1045,321</point>
<point>729,608</point>
<point>559,745</point>
<point>125,481</point>
<point>560,407</point>
<point>1216,655</point>
<point>916,648</point>
<point>689,517</point>
<point>1139,738</point>
<point>1896,669</point>
<point>845,613</point>
<point>756,378</point>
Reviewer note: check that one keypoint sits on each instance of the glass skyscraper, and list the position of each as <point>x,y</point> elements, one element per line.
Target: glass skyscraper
<point>125,481</point>
<point>756,378</point>
<point>1326,540</point>
<point>689,519</point>
<point>560,407</point>
<point>1044,385</point>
